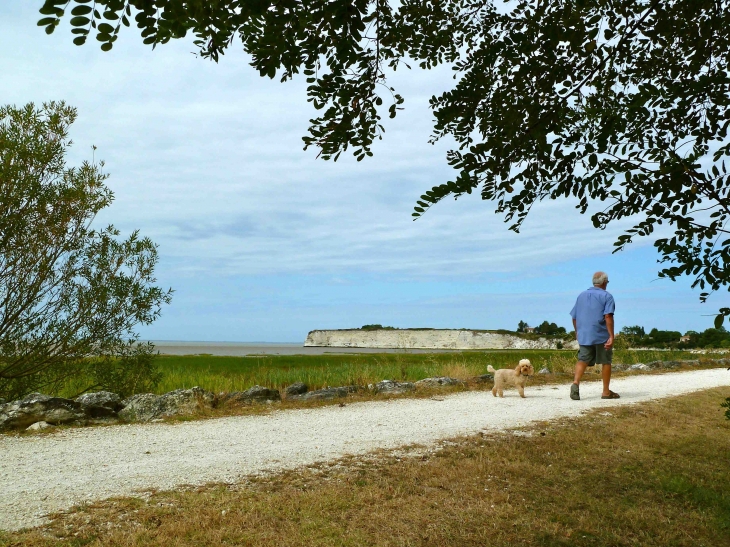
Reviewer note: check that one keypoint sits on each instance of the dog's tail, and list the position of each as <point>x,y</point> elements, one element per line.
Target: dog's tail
<point>490,368</point>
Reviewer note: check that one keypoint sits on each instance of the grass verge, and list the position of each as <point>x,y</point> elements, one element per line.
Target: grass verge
<point>651,474</point>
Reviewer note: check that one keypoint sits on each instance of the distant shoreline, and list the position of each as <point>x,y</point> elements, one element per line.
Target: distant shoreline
<point>243,349</point>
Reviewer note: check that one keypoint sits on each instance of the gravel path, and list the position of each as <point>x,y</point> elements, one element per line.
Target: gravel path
<point>44,473</point>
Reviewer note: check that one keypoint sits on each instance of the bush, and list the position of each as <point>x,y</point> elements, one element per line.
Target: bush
<point>376,326</point>
<point>71,295</point>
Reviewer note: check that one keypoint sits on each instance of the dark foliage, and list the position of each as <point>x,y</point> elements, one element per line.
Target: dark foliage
<point>710,338</point>
<point>549,329</point>
<point>376,326</point>
<point>634,330</point>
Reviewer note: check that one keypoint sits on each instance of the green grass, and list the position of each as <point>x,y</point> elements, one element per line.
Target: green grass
<point>277,371</point>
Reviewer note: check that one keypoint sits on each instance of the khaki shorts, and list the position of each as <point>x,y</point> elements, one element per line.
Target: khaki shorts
<point>595,354</point>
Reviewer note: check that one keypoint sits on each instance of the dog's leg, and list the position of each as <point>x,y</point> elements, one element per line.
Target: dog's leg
<point>501,393</point>
<point>522,391</point>
<point>494,391</point>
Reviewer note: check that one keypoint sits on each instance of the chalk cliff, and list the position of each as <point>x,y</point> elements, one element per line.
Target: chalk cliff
<point>428,339</point>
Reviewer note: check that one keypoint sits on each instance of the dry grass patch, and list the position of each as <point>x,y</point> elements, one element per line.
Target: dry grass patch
<point>652,474</point>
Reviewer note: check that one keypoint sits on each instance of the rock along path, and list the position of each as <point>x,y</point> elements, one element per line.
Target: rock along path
<point>45,473</point>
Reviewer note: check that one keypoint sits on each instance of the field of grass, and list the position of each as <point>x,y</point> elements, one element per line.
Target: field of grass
<point>652,475</point>
<point>240,373</point>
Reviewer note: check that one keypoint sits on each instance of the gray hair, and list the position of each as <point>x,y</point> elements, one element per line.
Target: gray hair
<point>599,278</point>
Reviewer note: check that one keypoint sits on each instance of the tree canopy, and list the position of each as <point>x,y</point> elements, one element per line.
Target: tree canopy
<point>620,104</point>
<point>636,336</point>
<point>550,329</point>
<point>70,295</point>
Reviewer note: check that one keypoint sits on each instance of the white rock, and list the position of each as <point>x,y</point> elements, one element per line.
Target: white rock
<point>147,406</point>
<point>428,339</point>
<point>391,386</point>
<point>438,381</point>
<point>39,426</point>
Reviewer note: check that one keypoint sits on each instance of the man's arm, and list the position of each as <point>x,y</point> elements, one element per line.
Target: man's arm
<point>575,329</point>
<point>609,326</point>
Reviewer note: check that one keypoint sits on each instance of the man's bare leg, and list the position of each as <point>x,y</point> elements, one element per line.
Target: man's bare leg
<point>580,368</point>
<point>606,375</point>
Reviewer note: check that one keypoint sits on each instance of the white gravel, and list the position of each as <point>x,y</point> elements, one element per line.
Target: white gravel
<point>45,473</point>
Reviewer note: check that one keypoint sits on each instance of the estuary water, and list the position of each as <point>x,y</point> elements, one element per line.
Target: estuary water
<point>239,349</point>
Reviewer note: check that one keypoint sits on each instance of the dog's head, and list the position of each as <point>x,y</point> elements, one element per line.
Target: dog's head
<point>524,368</point>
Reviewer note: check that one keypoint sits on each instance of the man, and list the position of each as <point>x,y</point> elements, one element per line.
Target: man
<point>593,323</point>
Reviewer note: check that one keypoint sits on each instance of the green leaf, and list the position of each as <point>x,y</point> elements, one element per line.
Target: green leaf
<point>51,10</point>
<point>719,319</point>
<point>79,40</point>
<point>46,21</point>
<point>81,10</point>
<point>106,46</point>
<point>79,21</point>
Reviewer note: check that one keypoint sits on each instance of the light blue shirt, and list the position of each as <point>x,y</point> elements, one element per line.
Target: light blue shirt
<point>589,311</point>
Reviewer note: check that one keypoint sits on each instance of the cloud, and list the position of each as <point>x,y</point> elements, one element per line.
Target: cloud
<point>206,159</point>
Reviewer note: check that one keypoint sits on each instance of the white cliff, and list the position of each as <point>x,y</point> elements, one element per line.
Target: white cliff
<point>429,339</point>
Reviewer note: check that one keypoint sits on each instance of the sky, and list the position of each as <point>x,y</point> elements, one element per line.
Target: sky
<point>262,242</point>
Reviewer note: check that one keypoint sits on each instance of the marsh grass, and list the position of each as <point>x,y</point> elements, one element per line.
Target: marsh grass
<point>651,474</point>
<point>219,374</point>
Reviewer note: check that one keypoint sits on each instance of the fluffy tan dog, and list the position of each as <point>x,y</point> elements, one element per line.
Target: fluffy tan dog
<point>511,377</point>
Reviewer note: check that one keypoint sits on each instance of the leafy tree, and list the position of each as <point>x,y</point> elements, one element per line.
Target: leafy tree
<point>521,326</point>
<point>622,104</point>
<point>710,338</point>
<point>635,330</point>
<point>549,329</point>
<point>631,336</point>
<point>70,295</point>
<point>663,337</point>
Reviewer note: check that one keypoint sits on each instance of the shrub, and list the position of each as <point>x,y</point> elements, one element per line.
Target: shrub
<point>70,295</point>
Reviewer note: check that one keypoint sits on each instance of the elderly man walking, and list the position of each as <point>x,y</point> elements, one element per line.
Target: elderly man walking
<point>593,323</point>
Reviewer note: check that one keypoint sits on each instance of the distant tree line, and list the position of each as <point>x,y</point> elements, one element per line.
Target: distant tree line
<point>376,326</point>
<point>636,336</point>
<point>546,328</point>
